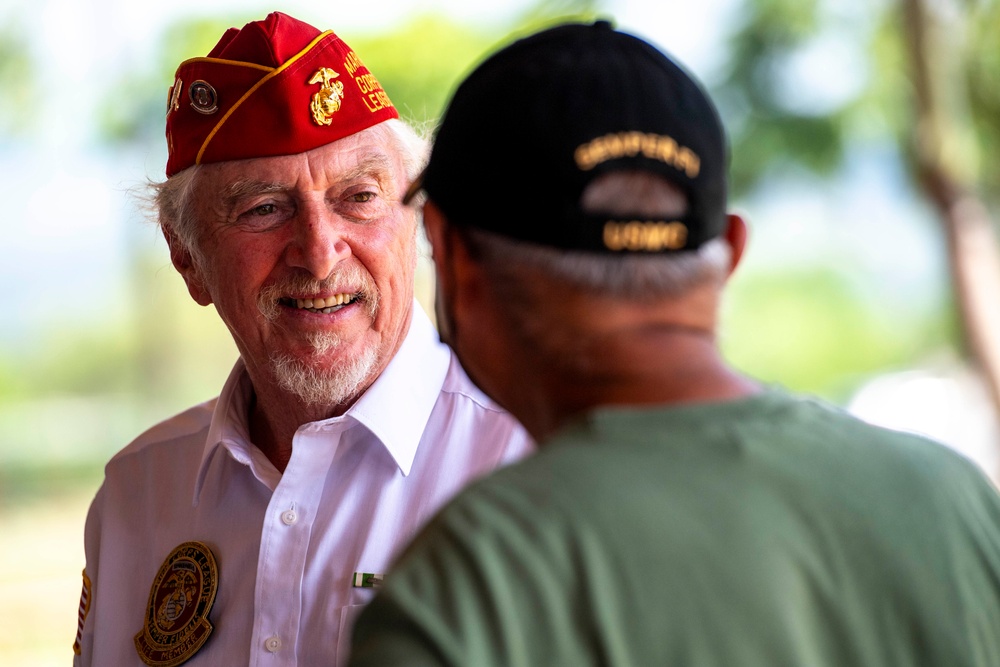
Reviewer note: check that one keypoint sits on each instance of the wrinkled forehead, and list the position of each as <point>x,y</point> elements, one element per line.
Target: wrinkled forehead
<point>370,155</point>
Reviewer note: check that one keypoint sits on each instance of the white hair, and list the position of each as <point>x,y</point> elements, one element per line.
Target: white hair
<point>637,277</point>
<point>632,277</point>
<point>322,387</point>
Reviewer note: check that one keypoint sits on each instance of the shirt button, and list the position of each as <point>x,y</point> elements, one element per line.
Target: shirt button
<point>273,644</point>
<point>289,517</point>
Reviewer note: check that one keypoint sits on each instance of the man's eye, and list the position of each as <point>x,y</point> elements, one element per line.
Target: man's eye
<point>362,197</point>
<point>262,210</point>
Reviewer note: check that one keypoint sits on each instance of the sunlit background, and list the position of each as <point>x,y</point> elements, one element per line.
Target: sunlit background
<point>845,292</point>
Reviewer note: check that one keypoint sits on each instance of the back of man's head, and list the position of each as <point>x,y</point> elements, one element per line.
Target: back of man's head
<point>576,204</point>
<point>589,153</point>
<point>540,120</point>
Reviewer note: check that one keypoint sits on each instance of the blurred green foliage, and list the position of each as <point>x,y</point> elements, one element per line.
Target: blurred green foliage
<point>819,330</point>
<point>17,79</point>
<point>762,101</point>
<point>138,118</point>
<point>982,53</point>
<point>419,80</point>
<point>754,100</point>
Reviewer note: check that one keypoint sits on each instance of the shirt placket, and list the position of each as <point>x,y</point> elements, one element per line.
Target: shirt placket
<point>285,544</point>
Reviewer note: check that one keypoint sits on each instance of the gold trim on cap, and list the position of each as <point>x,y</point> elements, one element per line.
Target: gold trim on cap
<point>223,61</point>
<point>271,75</point>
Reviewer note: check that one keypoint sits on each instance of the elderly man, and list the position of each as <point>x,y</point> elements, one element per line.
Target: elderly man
<point>677,512</point>
<point>250,529</point>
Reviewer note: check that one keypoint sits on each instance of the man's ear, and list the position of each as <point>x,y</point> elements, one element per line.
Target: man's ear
<point>450,254</point>
<point>459,286</point>
<point>182,260</point>
<point>736,237</point>
<point>434,227</point>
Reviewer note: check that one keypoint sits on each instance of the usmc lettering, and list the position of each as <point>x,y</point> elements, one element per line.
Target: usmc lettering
<point>374,96</point>
<point>649,236</point>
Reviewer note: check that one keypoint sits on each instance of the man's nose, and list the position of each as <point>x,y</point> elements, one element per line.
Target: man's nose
<point>318,244</point>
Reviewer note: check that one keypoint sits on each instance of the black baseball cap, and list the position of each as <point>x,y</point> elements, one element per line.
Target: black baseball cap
<point>539,120</point>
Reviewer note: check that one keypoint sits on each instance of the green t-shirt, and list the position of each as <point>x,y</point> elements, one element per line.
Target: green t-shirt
<point>763,532</point>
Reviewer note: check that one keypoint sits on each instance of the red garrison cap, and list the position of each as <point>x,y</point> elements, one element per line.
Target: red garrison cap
<point>276,87</point>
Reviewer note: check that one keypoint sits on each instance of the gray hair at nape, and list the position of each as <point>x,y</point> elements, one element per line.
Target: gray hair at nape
<point>632,277</point>
<point>171,204</point>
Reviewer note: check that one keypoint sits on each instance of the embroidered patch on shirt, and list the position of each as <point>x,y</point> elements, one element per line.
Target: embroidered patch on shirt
<point>176,624</point>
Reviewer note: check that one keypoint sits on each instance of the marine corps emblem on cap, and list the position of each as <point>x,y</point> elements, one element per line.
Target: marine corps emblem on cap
<point>326,102</point>
<point>183,592</point>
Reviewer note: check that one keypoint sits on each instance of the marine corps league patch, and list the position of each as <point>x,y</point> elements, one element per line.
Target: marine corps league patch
<point>183,592</point>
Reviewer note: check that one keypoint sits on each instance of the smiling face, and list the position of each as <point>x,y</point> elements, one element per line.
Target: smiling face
<point>309,260</point>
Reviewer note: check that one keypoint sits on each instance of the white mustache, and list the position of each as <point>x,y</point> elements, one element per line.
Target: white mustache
<point>268,300</point>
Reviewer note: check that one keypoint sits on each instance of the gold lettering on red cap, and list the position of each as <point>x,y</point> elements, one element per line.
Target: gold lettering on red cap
<point>372,94</point>
<point>327,101</point>
<point>630,144</point>
<point>352,63</point>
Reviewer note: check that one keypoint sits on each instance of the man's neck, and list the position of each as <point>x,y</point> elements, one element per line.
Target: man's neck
<point>274,417</point>
<point>661,366</point>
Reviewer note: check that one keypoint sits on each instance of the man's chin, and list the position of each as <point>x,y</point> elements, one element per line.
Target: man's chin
<point>318,381</point>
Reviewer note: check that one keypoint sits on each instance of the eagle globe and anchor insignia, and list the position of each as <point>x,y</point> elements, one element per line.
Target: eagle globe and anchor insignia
<point>183,592</point>
<point>326,102</point>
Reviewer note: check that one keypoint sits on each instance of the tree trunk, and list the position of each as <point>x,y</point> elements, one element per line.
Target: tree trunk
<point>973,252</point>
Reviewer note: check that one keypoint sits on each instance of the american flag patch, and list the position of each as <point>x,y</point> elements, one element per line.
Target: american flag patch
<point>84,609</point>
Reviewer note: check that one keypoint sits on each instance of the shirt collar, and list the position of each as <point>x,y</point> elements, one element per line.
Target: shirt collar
<point>395,408</point>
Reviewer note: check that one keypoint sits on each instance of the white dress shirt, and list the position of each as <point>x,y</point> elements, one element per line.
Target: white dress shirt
<point>356,488</point>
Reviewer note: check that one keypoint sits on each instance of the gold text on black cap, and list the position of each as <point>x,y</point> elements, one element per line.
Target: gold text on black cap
<point>644,236</point>
<point>630,144</point>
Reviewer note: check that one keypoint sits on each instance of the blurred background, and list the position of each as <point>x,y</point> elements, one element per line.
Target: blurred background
<point>864,137</point>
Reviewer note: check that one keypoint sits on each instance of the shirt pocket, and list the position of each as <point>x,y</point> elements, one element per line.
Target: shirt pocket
<point>348,615</point>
